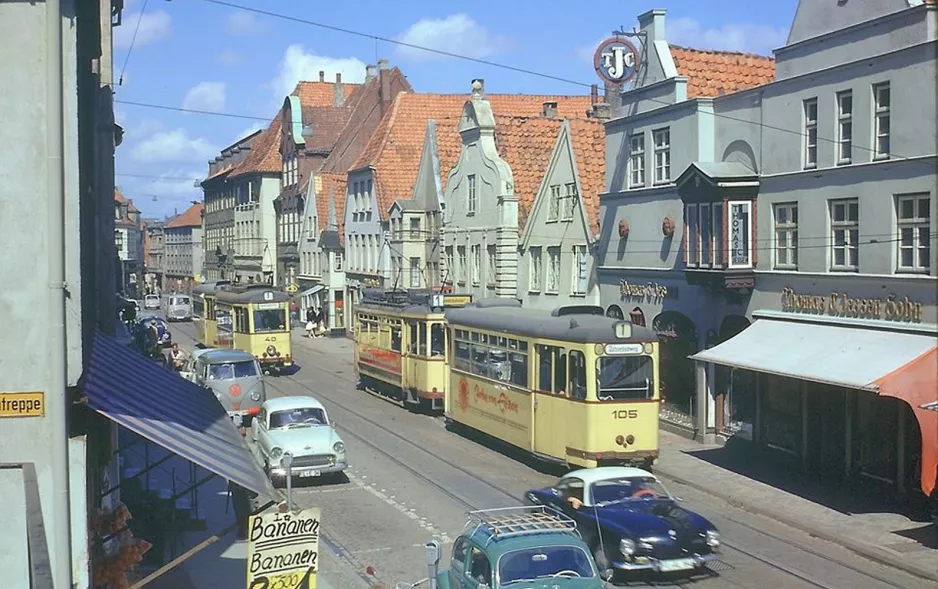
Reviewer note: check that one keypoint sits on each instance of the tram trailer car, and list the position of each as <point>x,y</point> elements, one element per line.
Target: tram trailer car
<point>400,346</point>
<point>255,318</point>
<point>203,311</point>
<point>570,386</point>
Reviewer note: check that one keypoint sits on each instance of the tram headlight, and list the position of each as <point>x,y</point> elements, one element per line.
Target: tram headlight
<point>600,349</point>
<point>276,453</point>
<point>630,439</point>
<point>271,350</point>
<point>627,546</point>
<point>649,348</point>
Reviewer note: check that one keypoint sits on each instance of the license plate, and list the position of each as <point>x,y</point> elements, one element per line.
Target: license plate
<point>679,564</point>
<point>309,473</point>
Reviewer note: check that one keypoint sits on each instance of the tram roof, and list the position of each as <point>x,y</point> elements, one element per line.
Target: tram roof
<point>210,287</point>
<point>401,302</point>
<point>581,324</point>
<point>257,293</point>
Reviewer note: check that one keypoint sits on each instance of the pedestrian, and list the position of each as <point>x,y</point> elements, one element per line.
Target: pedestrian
<point>293,314</point>
<point>310,322</point>
<point>241,501</point>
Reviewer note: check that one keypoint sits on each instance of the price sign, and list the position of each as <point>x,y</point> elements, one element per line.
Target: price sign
<point>283,550</point>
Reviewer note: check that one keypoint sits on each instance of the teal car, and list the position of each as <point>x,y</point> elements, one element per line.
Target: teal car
<point>516,547</point>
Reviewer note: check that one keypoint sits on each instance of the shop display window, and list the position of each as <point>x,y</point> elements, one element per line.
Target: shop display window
<point>781,414</point>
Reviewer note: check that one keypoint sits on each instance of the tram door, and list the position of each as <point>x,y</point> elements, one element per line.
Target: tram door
<point>550,375</point>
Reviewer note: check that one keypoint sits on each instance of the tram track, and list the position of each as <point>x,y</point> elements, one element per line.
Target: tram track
<point>735,547</point>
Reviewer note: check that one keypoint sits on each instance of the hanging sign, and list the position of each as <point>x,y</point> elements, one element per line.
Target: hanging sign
<point>283,550</point>
<point>616,60</point>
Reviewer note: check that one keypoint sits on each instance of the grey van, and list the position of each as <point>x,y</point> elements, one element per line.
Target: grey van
<point>179,308</point>
<point>234,376</point>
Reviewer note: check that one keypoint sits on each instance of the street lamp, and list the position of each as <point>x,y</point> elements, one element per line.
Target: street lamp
<point>286,461</point>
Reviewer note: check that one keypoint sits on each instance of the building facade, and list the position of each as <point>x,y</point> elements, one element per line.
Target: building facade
<point>154,256</point>
<point>183,249</point>
<point>128,239</point>
<point>328,296</point>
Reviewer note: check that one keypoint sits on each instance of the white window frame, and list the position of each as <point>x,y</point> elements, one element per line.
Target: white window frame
<point>662,141</point>
<point>554,267</point>
<point>851,234</point>
<point>692,239</point>
<point>476,261</point>
<point>637,160</point>
<point>747,206</point>
<point>338,262</point>
<point>534,273</point>
<point>415,272</point>
<point>461,260</point>
<point>472,194</point>
<point>785,235</point>
<point>717,227</point>
<point>414,228</point>
<point>568,202</point>
<point>917,224</point>
<point>882,103</point>
<point>491,265</point>
<point>580,270</point>
<point>553,208</point>
<point>844,145</point>
<point>810,119</point>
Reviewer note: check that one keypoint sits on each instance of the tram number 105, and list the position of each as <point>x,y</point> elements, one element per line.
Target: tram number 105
<point>625,414</point>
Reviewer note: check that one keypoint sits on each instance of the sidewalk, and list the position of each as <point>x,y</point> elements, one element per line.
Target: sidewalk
<point>878,534</point>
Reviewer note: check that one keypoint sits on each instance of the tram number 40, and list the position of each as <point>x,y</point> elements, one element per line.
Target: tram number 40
<point>625,413</point>
<point>270,339</point>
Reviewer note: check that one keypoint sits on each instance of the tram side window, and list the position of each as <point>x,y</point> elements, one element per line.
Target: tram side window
<point>414,328</point>
<point>480,360</point>
<point>437,340</point>
<point>560,370</point>
<point>519,369</point>
<point>545,362</point>
<point>577,375</point>
<point>462,359</point>
<point>422,338</point>
<point>396,338</point>
<point>624,378</point>
<point>241,320</point>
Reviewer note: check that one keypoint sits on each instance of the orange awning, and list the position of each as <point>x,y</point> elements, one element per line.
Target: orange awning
<point>916,383</point>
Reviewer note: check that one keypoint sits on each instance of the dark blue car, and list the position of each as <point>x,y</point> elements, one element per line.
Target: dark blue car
<point>163,335</point>
<point>631,522</point>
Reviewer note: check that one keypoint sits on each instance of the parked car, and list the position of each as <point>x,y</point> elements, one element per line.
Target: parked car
<point>179,308</point>
<point>151,301</point>
<point>298,426</point>
<point>630,520</point>
<point>233,376</point>
<point>517,547</point>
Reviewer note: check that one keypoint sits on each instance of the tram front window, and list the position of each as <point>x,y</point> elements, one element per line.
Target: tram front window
<point>270,320</point>
<point>624,378</point>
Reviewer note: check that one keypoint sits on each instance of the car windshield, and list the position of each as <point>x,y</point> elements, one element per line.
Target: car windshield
<point>269,320</point>
<point>640,488</point>
<point>544,562</point>
<point>302,416</point>
<point>179,301</point>
<point>232,370</point>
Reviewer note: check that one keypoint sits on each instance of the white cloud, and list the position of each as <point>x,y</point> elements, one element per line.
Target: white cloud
<point>206,96</point>
<point>753,38</point>
<point>143,128</point>
<point>174,146</point>
<point>241,22</point>
<point>154,25</point>
<point>229,58</point>
<point>248,131</point>
<point>174,183</point>
<point>457,33</point>
<point>298,64</point>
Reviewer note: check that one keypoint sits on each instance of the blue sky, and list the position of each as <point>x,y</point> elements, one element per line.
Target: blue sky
<point>201,55</point>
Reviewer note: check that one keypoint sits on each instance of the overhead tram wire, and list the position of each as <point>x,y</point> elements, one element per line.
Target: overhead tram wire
<point>133,40</point>
<point>760,124</point>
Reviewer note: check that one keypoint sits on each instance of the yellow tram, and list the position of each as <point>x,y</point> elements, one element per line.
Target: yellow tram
<point>571,385</point>
<point>254,318</point>
<point>400,346</point>
<point>203,310</point>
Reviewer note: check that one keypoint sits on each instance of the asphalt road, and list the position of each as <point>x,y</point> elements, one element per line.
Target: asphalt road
<point>411,480</point>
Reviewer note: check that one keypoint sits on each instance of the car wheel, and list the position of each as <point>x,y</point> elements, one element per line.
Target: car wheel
<point>606,572</point>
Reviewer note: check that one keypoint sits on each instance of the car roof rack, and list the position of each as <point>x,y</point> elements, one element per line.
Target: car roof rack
<point>507,522</point>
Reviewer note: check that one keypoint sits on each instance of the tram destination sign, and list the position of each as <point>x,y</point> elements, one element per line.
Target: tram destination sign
<point>31,404</point>
<point>283,550</point>
<point>840,304</point>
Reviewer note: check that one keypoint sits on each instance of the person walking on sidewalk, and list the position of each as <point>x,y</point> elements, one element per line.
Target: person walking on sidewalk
<point>242,507</point>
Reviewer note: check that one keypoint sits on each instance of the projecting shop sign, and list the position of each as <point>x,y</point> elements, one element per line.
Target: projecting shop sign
<point>283,550</point>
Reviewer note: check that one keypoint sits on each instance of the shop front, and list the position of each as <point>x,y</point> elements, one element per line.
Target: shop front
<point>836,381</point>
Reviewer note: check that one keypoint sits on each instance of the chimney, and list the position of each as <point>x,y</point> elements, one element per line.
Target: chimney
<point>652,24</point>
<point>613,95</point>
<point>384,79</point>
<point>594,93</point>
<point>478,88</point>
<point>370,73</point>
<point>339,90</point>
<point>601,111</point>
<point>550,109</point>
<point>322,76</point>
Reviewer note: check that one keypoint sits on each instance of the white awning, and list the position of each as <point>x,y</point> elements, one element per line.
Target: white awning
<point>843,356</point>
<point>312,291</point>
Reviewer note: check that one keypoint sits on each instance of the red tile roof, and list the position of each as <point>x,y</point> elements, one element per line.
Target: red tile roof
<point>264,157</point>
<point>119,197</point>
<point>588,138</point>
<point>714,73</point>
<point>332,185</point>
<point>321,93</point>
<point>191,217</point>
<point>395,148</point>
<point>327,123</point>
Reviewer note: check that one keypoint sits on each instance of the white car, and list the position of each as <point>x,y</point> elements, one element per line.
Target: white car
<point>151,302</point>
<point>298,426</point>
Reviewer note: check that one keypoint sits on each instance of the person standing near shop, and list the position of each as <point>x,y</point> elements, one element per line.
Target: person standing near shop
<point>241,501</point>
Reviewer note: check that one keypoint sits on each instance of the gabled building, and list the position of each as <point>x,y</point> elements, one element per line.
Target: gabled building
<point>183,253</point>
<point>311,119</point>
<point>128,239</point>
<point>561,229</point>
<point>367,108</point>
<point>325,261</point>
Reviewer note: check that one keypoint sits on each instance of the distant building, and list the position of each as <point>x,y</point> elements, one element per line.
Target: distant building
<point>128,239</point>
<point>183,250</point>
<point>154,254</point>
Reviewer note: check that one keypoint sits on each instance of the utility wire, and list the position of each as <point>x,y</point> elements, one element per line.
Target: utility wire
<point>192,110</point>
<point>133,40</point>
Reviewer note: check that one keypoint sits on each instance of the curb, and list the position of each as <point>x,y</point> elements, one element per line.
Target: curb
<point>339,571</point>
<point>874,553</point>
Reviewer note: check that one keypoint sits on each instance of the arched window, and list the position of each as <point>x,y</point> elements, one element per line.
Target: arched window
<point>614,312</point>
<point>637,317</point>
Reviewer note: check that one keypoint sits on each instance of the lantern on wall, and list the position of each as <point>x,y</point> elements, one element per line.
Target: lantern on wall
<point>623,228</point>
<point>667,227</point>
